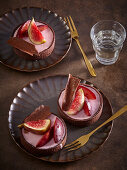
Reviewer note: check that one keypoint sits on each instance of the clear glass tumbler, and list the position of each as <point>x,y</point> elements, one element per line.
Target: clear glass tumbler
<point>107,37</point>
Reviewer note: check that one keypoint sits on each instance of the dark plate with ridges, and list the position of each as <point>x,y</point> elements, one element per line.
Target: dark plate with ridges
<point>46,91</point>
<point>11,20</point>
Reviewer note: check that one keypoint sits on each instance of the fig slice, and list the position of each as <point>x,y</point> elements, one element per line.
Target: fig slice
<point>45,138</point>
<point>34,33</point>
<point>69,93</point>
<point>42,27</point>
<point>87,107</point>
<point>77,103</point>
<point>23,30</point>
<point>37,127</point>
<point>88,93</point>
<point>58,130</point>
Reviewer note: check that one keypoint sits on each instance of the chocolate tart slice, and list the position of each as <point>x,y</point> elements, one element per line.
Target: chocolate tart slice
<point>55,136</point>
<point>90,111</point>
<point>42,50</point>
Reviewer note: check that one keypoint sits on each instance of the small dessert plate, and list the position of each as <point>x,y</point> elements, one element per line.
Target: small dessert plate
<point>46,91</point>
<point>11,20</point>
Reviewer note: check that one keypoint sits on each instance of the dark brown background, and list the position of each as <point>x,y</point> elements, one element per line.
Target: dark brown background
<point>112,80</point>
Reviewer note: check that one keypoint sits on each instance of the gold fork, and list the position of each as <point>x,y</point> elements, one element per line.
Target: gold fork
<point>84,139</point>
<point>75,36</point>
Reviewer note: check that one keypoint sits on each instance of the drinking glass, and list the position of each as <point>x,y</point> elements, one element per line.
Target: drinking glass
<point>107,37</point>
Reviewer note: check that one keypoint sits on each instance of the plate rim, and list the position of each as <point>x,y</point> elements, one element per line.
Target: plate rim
<point>60,161</point>
<point>51,65</point>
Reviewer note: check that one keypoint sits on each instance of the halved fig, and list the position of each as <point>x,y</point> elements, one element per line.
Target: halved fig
<point>37,127</point>
<point>34,33</point>
<point>77,103</point>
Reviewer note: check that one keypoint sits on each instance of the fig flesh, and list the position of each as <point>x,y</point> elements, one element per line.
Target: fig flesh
<point>88,93</point>
<point>35,34</point>
<point>77,103</point>
<point>87,107</point>
<point>45,138</point>
<point>23,30</point>
<point>37,127</point>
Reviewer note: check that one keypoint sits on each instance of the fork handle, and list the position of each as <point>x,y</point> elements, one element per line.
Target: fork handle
<point>88,63</point>
<point>117,114</point>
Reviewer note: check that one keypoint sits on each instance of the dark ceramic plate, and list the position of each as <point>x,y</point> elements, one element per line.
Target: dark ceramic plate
<point>45,91</point>
<point>8,23</point>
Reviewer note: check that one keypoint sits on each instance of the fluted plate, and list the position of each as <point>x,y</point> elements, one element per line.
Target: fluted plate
<point>11,20</point>
<point>45,91</point>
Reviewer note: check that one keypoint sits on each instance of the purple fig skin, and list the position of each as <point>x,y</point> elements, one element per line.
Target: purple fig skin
<point>58,130</point>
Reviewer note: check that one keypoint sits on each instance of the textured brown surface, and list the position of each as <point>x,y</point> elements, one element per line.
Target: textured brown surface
<point>112,80</point>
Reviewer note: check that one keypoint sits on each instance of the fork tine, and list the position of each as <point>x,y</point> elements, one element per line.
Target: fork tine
<point>77,147</point>
<point>73,23</point>
<point>69,25</point>
<point>73,146</point>
<point>65,20</point>
<point>72,143</point>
